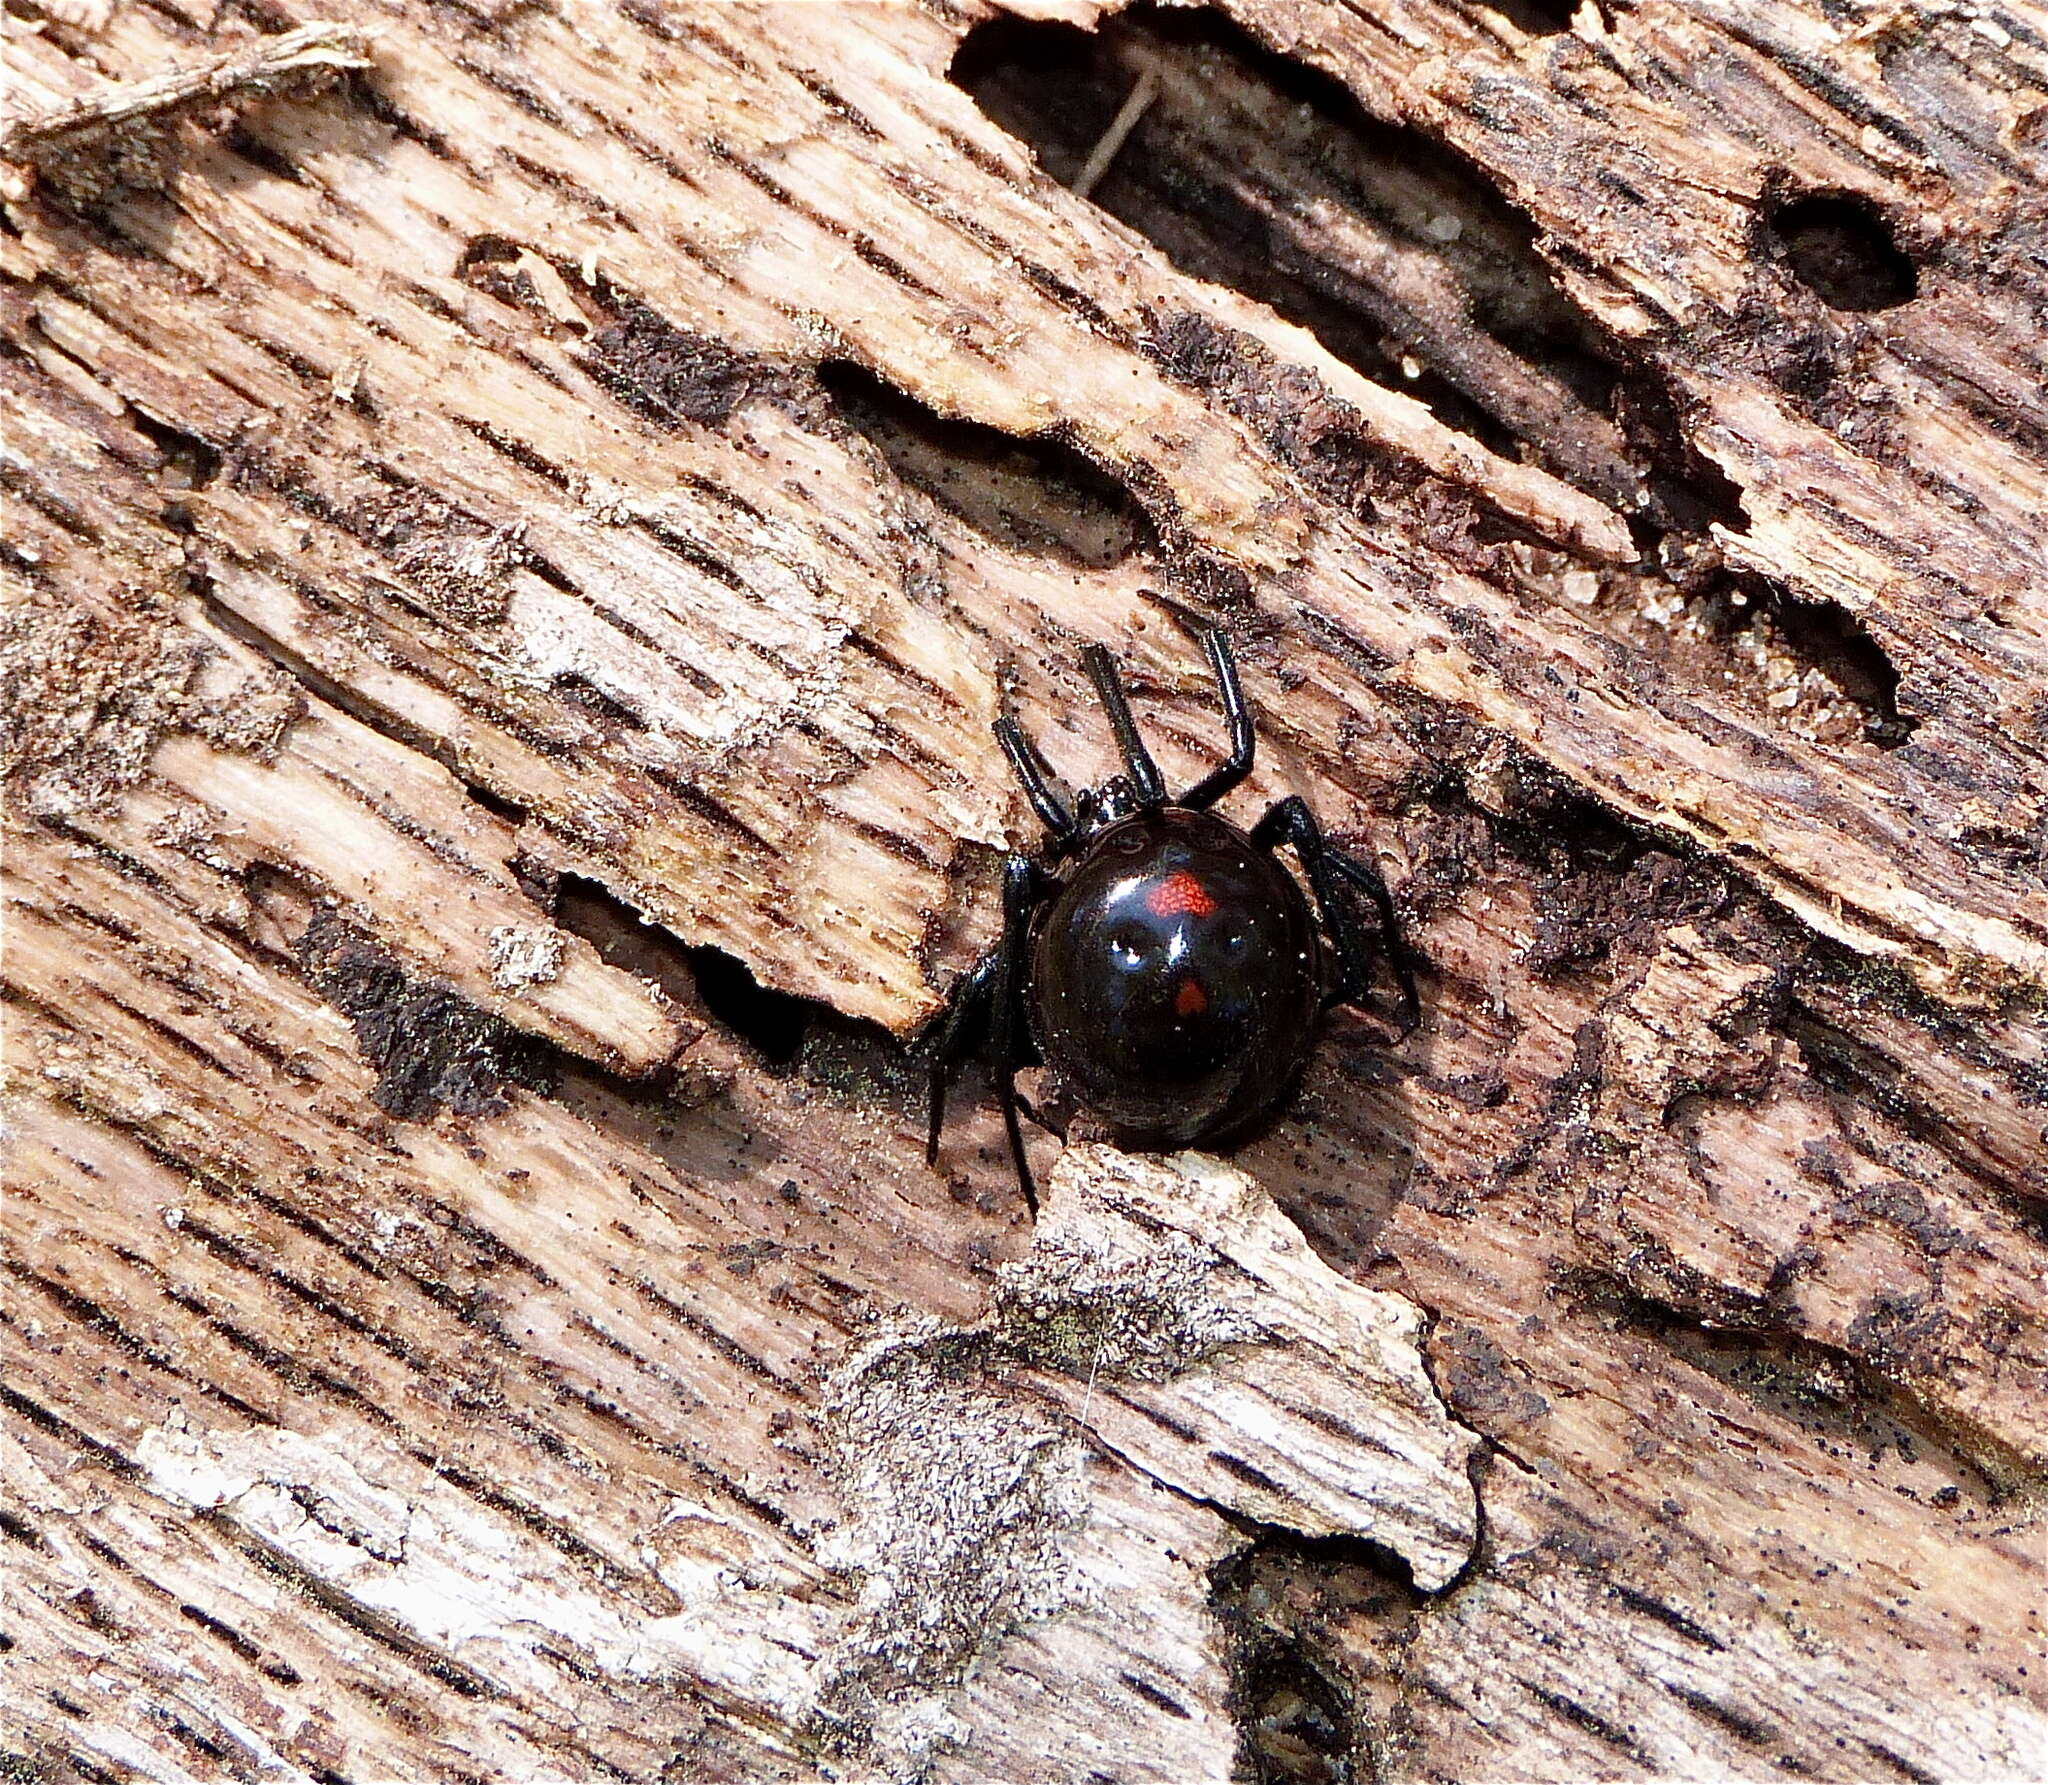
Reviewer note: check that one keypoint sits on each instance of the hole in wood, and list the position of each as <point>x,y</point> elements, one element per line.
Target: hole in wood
<point>1812,666</point>
<point>700,978</point>
<point>1688,492</point>
<point>1536,18</point>
<point>1845,250</point>
<point>1832,642</point>
<point>187,463</point>
<point>1252,171</point>
<point>1811,669</point>
<point>499,805</point>
<point>773,1023</point>
<point>1030,495</point>
<point>260,153</point>
<point>1298,1721</point>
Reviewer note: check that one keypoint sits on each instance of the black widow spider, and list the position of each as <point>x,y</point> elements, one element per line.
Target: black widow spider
<point>1172,978</point>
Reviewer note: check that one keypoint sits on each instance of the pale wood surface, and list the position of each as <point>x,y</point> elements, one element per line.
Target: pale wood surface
<point>611,463</point>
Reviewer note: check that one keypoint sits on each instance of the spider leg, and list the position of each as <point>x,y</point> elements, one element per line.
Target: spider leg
<point>1329,869</point>
<point>1243,739</point>
<point>1139,768</point>
<point>1022,886</point>
<point>992,988</point>
<point>1032,772</point>
<point>949,1038</point>
<point>1369,880</point>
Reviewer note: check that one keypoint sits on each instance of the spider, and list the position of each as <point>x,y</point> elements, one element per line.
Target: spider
<point>1165,965</point>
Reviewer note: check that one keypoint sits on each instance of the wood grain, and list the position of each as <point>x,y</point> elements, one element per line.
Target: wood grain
<point>512,555</point>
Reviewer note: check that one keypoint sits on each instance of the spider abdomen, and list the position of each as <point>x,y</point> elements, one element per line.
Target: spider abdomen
<point>1176,978</point>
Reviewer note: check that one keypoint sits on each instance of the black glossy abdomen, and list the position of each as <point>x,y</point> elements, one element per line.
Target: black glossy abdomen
<point>1176,978</point>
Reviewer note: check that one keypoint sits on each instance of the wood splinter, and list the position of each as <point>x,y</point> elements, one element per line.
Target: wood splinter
<point>270,65</point>
<point>1111,143</point>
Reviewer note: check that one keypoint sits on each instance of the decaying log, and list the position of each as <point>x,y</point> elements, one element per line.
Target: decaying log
<point>516,522</point>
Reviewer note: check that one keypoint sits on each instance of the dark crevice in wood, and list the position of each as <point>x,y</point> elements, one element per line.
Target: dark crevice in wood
<point>1737,1722</point>
<point>1854,1406</point>
<point>773,1023</point>
<point>1687,492</point>
<point>1898,1764</point>
<point>234,1758</point>
<point>1301,1719</point>
<point>260,154</point>
<point>836,103</point>
<point>579,690</point>
<point>723,1343</point>
<point>1035,495</point>
<point>695,975</point>
<point>172,1036</point>
<point>506,811</point>
<point>317,1592</point>
<point>47,505</point>
<point>189,461</point>
<point>346,699</point>
<point>1647,1606</point>
<point>234,1253</point>
<point>1535,18</point>
<point>1595,1725</point>
<point>19,1530</point>
<point>636,1585</point>
<point>60,1428</point>
<point>521,96</point>
<point>1842,248</point>
<point>87,1313</point>
<point>680,545</point>
<point>1230,170</point>
<point>33,569</point>
<point>367,94</point>
<point>302,1378</point>
<point>516,452</point>
<point>1849,980</point>
<point>597,208</point>
<point>1812,67</point>
<point>281,1671</point>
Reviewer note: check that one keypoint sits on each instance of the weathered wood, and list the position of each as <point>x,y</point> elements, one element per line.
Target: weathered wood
<point>293,60</point>
<point>507,544</point>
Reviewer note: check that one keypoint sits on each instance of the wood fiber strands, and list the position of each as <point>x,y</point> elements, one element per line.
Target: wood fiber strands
<point>516,522</point>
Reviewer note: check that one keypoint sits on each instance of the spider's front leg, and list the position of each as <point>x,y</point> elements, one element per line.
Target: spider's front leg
<point>987,1004</point>
<point>1329,869</point>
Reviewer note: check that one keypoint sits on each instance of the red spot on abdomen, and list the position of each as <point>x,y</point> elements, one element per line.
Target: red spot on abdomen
<point>1190,1000</point>
<point>1180,895</point>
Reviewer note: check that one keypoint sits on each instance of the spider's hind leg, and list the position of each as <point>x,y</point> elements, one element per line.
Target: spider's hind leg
<point>1392,948</point>
<point>1032,772</point>
<point>1139,768</point>
<point>987,1004</point>
<point>1243,738</point>
<point>1331,872</point>
<point>950,1038</point>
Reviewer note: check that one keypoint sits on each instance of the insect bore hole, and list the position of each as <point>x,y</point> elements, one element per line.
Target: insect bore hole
<point>1844,249</point>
